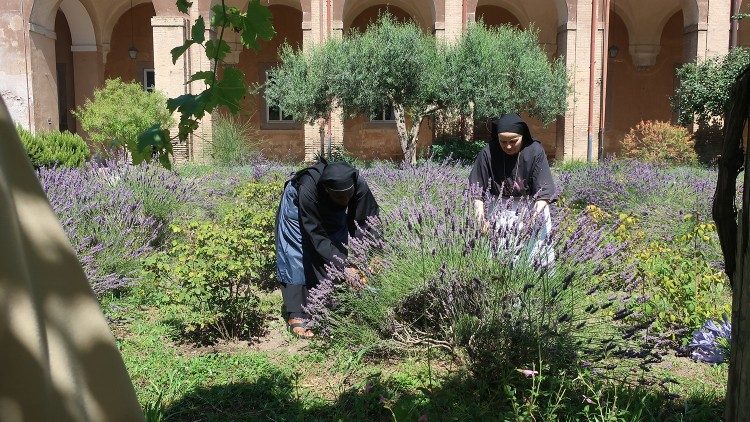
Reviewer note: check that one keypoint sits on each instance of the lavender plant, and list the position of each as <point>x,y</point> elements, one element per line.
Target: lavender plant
<point>113,214</point>
<point>445,283</point>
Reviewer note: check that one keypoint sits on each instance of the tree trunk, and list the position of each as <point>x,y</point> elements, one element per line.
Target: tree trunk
<point>407,137</point>
<point>468,124</point>
<point>734,245</point>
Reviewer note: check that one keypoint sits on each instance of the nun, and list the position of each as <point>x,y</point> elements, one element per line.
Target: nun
<point>320,208</point>
<point>513,174</point>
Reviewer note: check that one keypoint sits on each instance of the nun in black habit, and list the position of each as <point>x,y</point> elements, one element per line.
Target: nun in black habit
<point>513,166</point>
<point>320,208</point>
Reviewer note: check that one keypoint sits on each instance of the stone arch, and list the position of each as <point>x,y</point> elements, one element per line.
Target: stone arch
<point>342,8</point>
<point>81,26</point>
<point>511,7</point>
<point>118,63</point>
<point>422,17</point>
<point>566,9</point>
<point>116,13</point>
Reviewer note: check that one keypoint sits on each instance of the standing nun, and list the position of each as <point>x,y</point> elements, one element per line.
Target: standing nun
<point>513,165</point>
<point>320,208</point>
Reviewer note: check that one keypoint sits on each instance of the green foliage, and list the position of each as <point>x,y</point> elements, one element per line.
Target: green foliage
<point>233,142</point>
<point>661,143</point>
<point>120,112</point>
<point>252,24</point>
<point>494,71</point>
<point>302,84</point>
<point>397,65</point>
<point>684,289</point>
<point>703,89</point>
<point>457,149</point>
<point>49,149</point>
<point>209,276</point>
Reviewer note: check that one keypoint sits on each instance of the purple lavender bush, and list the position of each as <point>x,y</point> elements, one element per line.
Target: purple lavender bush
<point>443,282</point>
<point>113,214</point>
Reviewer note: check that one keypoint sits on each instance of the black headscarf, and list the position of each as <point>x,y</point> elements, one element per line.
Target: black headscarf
<point>510,123</point>
<point>338,176</point>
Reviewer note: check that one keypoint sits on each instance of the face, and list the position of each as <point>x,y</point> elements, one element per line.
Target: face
<point>510,142</point>
<point>340,197</point>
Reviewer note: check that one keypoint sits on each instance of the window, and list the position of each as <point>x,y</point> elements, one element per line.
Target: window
<point>149,80</point>
<point>276,114</point>
<point>382,114</point>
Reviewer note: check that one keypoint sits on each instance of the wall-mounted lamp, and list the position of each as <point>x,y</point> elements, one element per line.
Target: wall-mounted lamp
<point>613,51</point>
<point>132,51</point>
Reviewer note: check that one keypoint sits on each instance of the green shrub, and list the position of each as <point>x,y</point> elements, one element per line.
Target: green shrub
<point>660,142</point>
<point>703,89</point>
<point>49,149</point>
<point>209,275</point>
<point>233,142</point>
<point>120,112</point>
<point>682,287</point>
<point>457,149</point>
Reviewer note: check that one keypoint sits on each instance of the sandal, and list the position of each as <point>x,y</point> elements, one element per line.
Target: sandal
<point>298,327</point>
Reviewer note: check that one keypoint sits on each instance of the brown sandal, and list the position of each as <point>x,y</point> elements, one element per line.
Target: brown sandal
<point>298,327</point>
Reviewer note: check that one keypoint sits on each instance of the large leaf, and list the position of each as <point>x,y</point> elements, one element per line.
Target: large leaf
<point>198,33</point>
<point>229,91</point>
<point>154,142</point>
<point>256,24</point>
<point>179,51</point>
<point>217,49</point>
<point>184,5</point>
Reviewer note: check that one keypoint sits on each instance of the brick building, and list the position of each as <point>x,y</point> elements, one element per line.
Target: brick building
<point>54,53</point>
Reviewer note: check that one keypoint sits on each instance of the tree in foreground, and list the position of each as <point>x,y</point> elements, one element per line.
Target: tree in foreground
<point>396,65</point>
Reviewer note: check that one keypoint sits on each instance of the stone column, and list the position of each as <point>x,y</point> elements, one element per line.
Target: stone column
<point>454,16</point>
<point>695,39</point>
<point>15,77</point>
<point>717,36</point>
<point>574,40</point>
<point>170,32</point>
<point>43,69</point>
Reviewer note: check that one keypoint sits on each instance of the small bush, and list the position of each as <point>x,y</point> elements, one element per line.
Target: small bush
<point>51,149</point>
<point>660,142</point>
<point>210,274</point>
<point>233,142</point>
<point>457,149</point>
<point>120,112</point>
<point>680,289</point>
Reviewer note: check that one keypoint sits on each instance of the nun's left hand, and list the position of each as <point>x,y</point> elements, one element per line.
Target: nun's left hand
<point>539,207</point>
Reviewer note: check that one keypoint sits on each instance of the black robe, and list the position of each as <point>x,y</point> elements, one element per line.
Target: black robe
<point>325,225</point>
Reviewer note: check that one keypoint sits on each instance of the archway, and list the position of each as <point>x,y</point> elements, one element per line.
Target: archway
<point>278,135</point>
<point>640,79</point>
<point>64,74</point>
<point>132,36</point>
<point>493,15</point>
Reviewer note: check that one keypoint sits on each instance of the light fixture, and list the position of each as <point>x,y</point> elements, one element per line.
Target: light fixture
<point>132,51</point>
<point>613,51</point>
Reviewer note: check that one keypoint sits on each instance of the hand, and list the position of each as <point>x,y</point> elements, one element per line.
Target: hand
<point>479,214</point>
<point>539,207</point>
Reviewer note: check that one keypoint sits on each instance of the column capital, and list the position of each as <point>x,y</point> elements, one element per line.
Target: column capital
<point>644,55</point>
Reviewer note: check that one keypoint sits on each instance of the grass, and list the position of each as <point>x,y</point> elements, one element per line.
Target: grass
<point>299,381</point>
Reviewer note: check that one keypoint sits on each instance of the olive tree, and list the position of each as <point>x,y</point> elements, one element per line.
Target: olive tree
<point>397,65</point>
